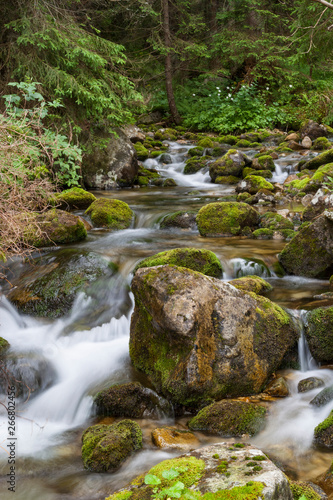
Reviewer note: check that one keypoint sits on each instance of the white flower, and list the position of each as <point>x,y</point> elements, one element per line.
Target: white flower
<point>290,86</point>
<point>232,99</point>
<point>210,95</point>
<point>193,95</point>
<point>228,88</point>
<point>229,95</point>
<point>218,88</point>
<point>267,88</point>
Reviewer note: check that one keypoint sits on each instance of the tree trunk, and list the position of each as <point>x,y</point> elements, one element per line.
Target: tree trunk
<point>168,63</point>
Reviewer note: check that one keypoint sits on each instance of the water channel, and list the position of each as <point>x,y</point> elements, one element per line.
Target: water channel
<point>77,362</point>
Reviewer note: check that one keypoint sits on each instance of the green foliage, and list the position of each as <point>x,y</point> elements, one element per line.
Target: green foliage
<point>41,150</point>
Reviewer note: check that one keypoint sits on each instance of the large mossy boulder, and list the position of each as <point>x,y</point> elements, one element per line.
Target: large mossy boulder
<point>229,418</point>
<point>54,227</point>
<point>199,339</point>
<point>105,447</point>
<point>232,163</point>
<point>222,471</point>
<point>226,218</point>
<point>318,161</point>
<point>319,334</point>
<point>113,214</point>
<point>49,287</point>
<point>131,400</point>
<point>203,261</point>
<point>310,252</point>
<point>110,160</point>
<point>263,162</point>
<point>73,199</point>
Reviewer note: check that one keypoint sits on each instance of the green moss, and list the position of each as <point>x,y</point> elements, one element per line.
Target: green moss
<point>228,139</point>
<point>318,333</point>
<point>122,495</point>
<point>203,261</point>
<point>243,196</point>
<point>252,284</point>
<point>227,418</point>
<point>197,151</point>
<point>232,163</point>
<point>267,174</point>
<point>300,489</point>
<point>179,219</point>
<point>274,221</point>
<point>222,467</point>
<point>318,161</point>
<point>155,154</point>
<point>143,181</point>
<point>169,182</point>
<point>206,143</point>
<point>243,143</point>
<point>263,234</point>
<point>4,346</point>
<point>113,214</point>
<point>226,179</point>
<point>323,426</point>
<point>251,491</point>
<point>225,218</point>
<point>216,455</point>
<point>321,144</point>
<point>105,447</point>
<point>74,198</point>
<point>255,183</point>
<point>141,151</point>
<point>196,163</point>
<point>190,470</point>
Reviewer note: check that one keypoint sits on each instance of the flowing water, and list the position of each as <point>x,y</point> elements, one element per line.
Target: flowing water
<point>74,362</point>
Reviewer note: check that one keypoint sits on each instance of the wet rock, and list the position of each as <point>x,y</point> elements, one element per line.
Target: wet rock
<point>203,261</point>
<point>229,418</point>
<point>215,470</point>
<point>319,334</point>
<point>113,214</point>
<point>252,184</point>
<point>310,252</point>
<point>313,130</point>
<point>182,220</point>
<point>275,221</point>
<point>252,284</point>
<point>324,397</point>
<point>4,346</point>
<point>199,338</point>
<point>295,146</point>
<point>317,161</point>
<point>232,163</point>
<point>74,199</point>
<point>293,137</point>
<point>131,400</point>
<point>174,438</point>
<point>307,384</point>
<point>49,287</point>
<point>308,490</point>
<point>166,159</point>
<point>134,133</point>
<point>264,162</point>
<point>105,447</point>
<point>110,161</point>
<point>29,373</point>
<point>278,388</point>
<point>306,142</point>
<point>169,182</point>
<point>196,163</point>
<point>56,227</point>
<point>226,218</point>
<point>323,433</point>
<point>321,144</point>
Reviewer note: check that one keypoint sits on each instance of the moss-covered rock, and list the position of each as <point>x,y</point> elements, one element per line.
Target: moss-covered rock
<point>310,252</point>
<point>105,447</point>
<point>267,174</point>
<point>226,218</point>
<point>253,183</point>
<point>131,400</point>
<point>113,214</point>
<point>50,286</point>
<point>182,220</point>
<point>263,234</point>
<point>303,490</point>
<point>226,179</point>
<point>203,261</point>
<point>228,139</point>
<point>73,199</point>
<point>206,142</point>
<point>321,144</point>
<point>272,220</point>
<point>196,163</point>
<point>309,383</point>
<point>197,151</point>
<point>169,182</point>
<point>318,161</point>
<point>319,334</point>
<point>243,143</point>
<point>252,284</point>
<point>229,418</point>
<point>323,433</point>
<point>243,197</point>
<point>264,162</point>
<point>4,346</point>
<point>232,163</point>
<point>141,151</point>
<point>211,473</point>
<point>188,329</point>
<point>53,228</point>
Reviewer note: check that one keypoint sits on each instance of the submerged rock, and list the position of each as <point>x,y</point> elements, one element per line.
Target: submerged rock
<point>203,261</point>
<point>310,252</point>
<point>182,220</point>
<point>131,400</point>
<point>113,214</point>
<point>174,438</point>
<point>199,338</point>
<point>49,287</point>
<point>307,384</point>
<point>229,418</point>
<point>105,447</point>
<point>213,470</point>
<point>226,218</point>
